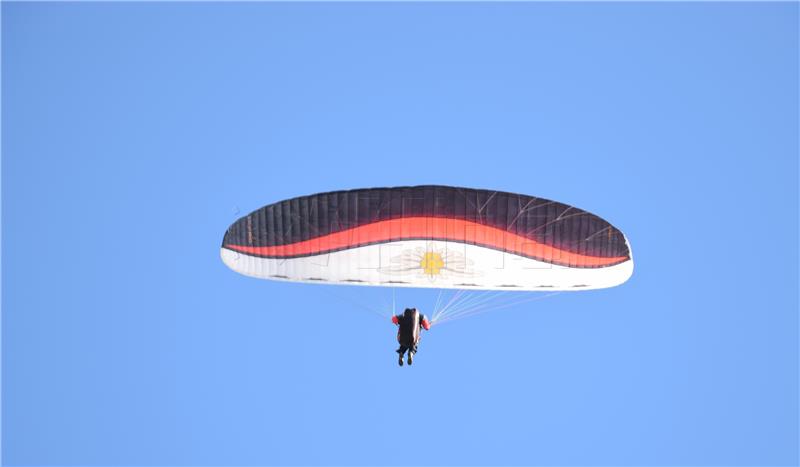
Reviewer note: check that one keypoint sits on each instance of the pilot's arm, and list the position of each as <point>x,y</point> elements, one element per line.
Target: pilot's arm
<point>425,323</point>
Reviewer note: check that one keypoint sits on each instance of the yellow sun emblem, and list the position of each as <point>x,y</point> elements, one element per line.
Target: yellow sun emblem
<point>431,263</point>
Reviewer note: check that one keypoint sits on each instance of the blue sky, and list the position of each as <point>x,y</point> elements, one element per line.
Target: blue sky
<point>134,134</point>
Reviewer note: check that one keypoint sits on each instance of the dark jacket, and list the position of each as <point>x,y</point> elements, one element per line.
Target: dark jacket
<point>410,323</point>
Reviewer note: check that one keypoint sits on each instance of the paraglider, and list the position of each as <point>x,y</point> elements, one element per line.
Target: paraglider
<point>408,333</point>
<point>430,237</point>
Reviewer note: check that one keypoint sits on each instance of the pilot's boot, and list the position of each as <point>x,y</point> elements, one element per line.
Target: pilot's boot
<point>399,359</point>
<point>410,357</point>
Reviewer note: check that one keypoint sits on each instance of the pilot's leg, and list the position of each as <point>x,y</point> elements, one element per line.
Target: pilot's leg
<point>411,351</point>
<point>400,352</point>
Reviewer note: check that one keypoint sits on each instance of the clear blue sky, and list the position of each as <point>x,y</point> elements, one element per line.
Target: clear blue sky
<point>134,134</point>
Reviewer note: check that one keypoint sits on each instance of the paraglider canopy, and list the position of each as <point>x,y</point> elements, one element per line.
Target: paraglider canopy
<point>429,236</point>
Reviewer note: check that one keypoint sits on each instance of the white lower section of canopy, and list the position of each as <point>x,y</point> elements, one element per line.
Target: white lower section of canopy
<point>435,264</point>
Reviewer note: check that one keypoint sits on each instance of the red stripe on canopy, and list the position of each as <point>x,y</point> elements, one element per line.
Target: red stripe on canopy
<point>430,228</point>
